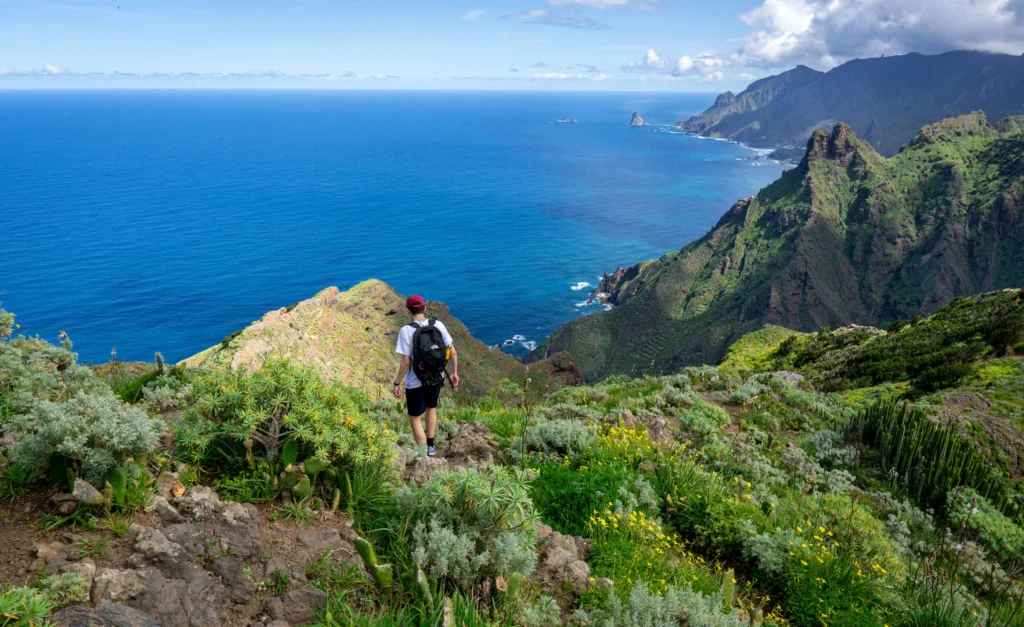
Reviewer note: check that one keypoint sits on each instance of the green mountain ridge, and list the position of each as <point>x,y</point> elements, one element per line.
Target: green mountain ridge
<point>845,237</point>
<point>349,337</point>
<point>885,100</point>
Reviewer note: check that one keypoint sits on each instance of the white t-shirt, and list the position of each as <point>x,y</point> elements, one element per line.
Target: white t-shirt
<point>404,347</point>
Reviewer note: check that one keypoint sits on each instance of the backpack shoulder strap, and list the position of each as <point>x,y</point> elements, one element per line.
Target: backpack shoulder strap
<point>414,325</point>
<point>431,322</point>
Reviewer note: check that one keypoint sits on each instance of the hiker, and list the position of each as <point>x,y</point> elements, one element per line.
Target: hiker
<point>426,349</point>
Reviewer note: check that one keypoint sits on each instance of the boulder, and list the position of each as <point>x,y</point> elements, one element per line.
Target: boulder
<point>168,486</point>
<point>423,468</point>
<point>110,615</point>
<point>472,443</point>
<point>117,586</point>
<point>231,571</point>
<point>297,607</point>
<point>321,540</point>
<point>164,510</point>
<point>193,601</point>
<point>85,494</point>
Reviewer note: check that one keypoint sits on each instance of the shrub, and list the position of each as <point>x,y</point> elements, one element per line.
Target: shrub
<point>565,495</point>
<point>239,417</point>
<point>97,433</point>
<point>544,612</point>
<point>704,421</point>
<point>828,449</point>
<point>1003,538</point>
<point>65,589</point>
<point>555,438</point>
<point>24,607</point>
<point>623,446</point>
<point>472,524</point>
<point>677,606</point>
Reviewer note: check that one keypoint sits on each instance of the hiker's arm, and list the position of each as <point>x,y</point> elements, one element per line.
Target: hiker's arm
<point>403,368</point>
<point>454,361</point>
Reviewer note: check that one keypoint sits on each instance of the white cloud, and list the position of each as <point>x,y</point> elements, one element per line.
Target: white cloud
<point>824,33</point>
<point>650,63</point>
<point>52,70</point>
<point>704,64</point>
<point>747,77</point>
<point>473,15</point>
<point>606,4</point>
<point>554,18</point>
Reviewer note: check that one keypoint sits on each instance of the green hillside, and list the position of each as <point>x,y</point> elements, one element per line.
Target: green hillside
<point>349,337</point>
<point>845,237</point>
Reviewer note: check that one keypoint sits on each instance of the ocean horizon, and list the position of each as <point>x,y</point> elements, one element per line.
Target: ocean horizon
<point>165,220</point>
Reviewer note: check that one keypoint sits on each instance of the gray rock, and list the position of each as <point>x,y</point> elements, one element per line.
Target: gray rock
<point>423,468</point>
<point>168,486</point>
<point>117,586</point>
<point>85,494</point>
<point>164,510</point>
<point>111,615</point>
<point>196,600</point>
<point>321,540</point>
<point>790,377</point>
<point>637,120</point>
<point>231,571</point>
<point>296,573</point>
<point>158,550</point>
<point>298,607</point>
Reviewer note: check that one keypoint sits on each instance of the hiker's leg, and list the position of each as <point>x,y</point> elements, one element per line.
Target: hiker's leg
<point>417,429</point>
<point>431,422</point>
<point>414,402</point>
<point>431,396</point>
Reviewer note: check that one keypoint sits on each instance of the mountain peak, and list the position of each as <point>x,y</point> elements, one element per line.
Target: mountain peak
<point>839,146</point>
<point>949,129</point>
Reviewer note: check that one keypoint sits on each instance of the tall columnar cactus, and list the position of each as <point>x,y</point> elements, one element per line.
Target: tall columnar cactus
<point>423,586</point>
<point>925,458</point>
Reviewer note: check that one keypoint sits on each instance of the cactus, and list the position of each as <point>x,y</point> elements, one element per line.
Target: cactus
<point>346,487</point>
<point>515,582</point>
<point>923,457</point>
<point>290,453</point>
<point>291,478</point>
<point>729,588</point>
<point>159,363</point>
<point>423,587</point>
<point>118,485</point>
<point>69,476</point>
<point>383,575</point>
<point>314,465</point>
<point>336,500</point>
<point>303,489</point>
<point>366,552</point>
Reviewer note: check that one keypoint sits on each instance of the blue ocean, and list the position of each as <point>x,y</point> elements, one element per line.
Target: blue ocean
<point>164,220</point>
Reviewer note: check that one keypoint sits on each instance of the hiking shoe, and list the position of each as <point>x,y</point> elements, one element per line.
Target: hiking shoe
<point>431,451</point>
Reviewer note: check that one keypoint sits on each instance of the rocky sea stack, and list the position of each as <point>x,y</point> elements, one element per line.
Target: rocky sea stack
<point>637,120</point>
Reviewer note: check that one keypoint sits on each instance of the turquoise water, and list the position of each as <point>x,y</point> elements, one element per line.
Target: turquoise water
<point>165,220</point>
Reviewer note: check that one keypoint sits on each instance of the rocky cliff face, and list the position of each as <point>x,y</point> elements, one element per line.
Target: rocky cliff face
<point>845,237</point>
<point>637,120</point>
<point>350,337</point>
<point>884,100</point>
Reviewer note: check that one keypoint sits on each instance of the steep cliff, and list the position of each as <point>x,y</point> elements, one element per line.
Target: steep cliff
<point>885,100</point>
<point>845,237</point>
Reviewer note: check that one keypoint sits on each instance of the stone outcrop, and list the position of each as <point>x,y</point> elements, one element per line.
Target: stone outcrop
<point>637,120</point>
<point>561,560</point>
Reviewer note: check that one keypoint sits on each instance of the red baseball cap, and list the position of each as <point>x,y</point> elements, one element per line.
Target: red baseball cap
<point>414,301</point>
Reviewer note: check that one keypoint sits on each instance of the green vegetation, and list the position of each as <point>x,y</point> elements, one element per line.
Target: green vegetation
<point>813,480</point>
<point>844,237</point>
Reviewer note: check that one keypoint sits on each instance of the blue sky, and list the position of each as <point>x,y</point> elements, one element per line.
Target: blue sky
<point>710,45</point>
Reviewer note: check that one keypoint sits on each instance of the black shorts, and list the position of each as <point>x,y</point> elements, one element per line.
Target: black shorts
<point>419,399</point>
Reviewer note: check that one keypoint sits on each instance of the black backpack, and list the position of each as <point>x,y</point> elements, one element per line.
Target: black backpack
<point>429,354</point>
